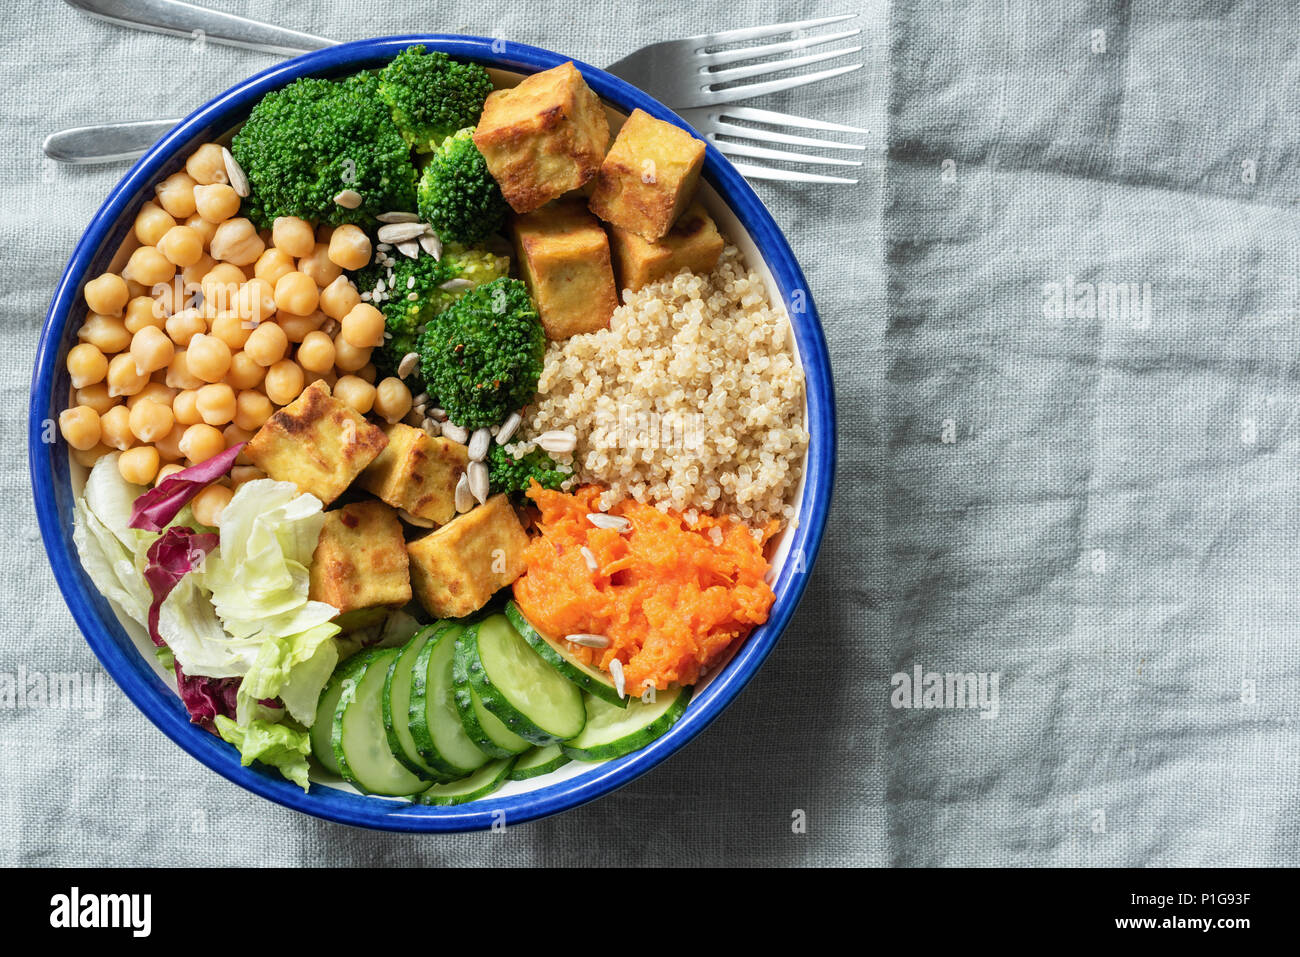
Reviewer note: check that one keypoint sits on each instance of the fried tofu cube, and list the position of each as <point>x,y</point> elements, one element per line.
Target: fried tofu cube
<point>542,138</point>
<point>417,472</point>
<point>360,560</point>
<point>693,243</point>
<point>457,568</point>
<point>317,443</point>
<point>563,256</point>
<point>649,176</point>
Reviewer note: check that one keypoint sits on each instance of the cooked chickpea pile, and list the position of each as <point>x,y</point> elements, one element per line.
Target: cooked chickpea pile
<point>211,326</point>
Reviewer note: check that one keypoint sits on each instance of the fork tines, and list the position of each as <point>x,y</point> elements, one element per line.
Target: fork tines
<point>713,61</point>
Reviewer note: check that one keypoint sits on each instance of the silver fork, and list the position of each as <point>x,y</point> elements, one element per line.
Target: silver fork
<point>686,74</point>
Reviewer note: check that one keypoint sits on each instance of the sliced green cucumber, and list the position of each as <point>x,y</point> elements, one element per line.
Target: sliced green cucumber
<point>613,732</point>
<point>514,683</point>
<point>358,739</point>
<point>589,679</point>
<point>486,730</point>
<point>538,761</point>
<point>322,728</point>
<point>396,705</point>
<point>479,784</point>
<point>434,720</point>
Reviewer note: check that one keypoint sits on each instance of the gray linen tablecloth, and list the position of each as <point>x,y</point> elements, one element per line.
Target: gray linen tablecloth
<point>1061,308</point>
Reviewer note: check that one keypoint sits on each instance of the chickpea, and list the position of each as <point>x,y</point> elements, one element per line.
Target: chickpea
<point>339,298</point>
<point>115,428</point>
<point>134,288</point>
<point>267,344</point>
<point>233,435</point>
<point>207,165</point>
<point>139,465</point>
<point>96,397</point>
<point>293,236</point>
<point>108,334</point>
<point>107,294</point>
<point>216,403</point>
<point>210,503</point>
<point>86,365</point>
<point>231,330</point>
<point>256,301</point>
<point>143,311</point>
<point>201,442</point>
<point>349,247</point>
<point>168,298</point>
<point>89,457</point>
<point>208,357</point>
<point>179,375</point>
<point>363,327</point>
<point>151,350</point>
<point>295,292</point>
<point>123,377</point>
<point>392,400</point>
<point>153,392</point>
<point>347,357</point>
<point>182,245</point>
<point>148,266</point>
<point>244,372</point>
<point>252,409</point>
<point>167,471</point>
<point>355,392</point>
<point>221,286</point>
<point>329,378</point>
<point>236,241</point>
<point>169,446</point>
<point>245,473</point>
<point>80,427</point>
<point>298,327</point>
<point>150,420</point>
<point>176,194</point>
<point>318,266</point>
<point>185,407</point>
<point>192,276</point>
<point>368,372</point>
<point>185,325</point>
<point>284,382</point>
<point>216,203</point>
<point>151,223</point>
<point>316,354</point>
<point>203,228</point>
<point>273,264</point>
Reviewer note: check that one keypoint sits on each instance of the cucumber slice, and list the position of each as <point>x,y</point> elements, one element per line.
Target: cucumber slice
<point>323,727</point>
<point>558,656</point>
<point>613,732</point>
<point>538,761</point>
<point>479,784</point>
<point>434,721</point>
<point>358,739</point>
<point>514,683</point>
<point>396,705</point>
<point>486,730</point>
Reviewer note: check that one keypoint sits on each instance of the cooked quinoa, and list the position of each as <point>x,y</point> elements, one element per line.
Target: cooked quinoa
<point>690,400</point>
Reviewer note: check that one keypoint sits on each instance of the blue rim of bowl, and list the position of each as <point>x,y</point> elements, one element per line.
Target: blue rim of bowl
<point>51,475</point>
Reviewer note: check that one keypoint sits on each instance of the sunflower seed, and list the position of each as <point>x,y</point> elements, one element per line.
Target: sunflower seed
<point>411,250</point>
<point>383,248</point>
<point>508,428</point>
<point>398,233</point>
<point>453,431</point>
<point>348,199</point>
<point>479,483</point>
<point>588,641</point>
<point>589,557</point>
<point>616,672</point>
<point>410,282</point>
<point>617,523</point>
<point>421,400</point>
<point>557,441</point>
<point>438,413</point>
<point>380,288</point>
<point>432,245</point>
<point>464,497</point>
<point>366,296</point>
<point>478,444</point>
<point>408,364</point>
<point>410,519</point>
<point>456,285</point>
<point>235,173</point>
<point>433,428</point>
<point>411,297</point>
<point>396,217</point>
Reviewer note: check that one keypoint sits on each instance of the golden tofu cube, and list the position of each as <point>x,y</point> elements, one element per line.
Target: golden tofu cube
<point>649,176</point>
<point>542,138</point>
<point>317,443</point>
<point>563,256</point>
<point>693,243</point>
<point>417,472</point>
<point>457,568</point>
<point>360,560</point>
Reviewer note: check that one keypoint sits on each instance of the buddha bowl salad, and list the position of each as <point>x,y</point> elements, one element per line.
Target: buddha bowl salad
<point>434,439</point>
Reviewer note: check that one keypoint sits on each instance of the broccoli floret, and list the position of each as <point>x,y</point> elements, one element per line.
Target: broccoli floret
<point>482,357</point>
<point>512,476</point>
<point>431,96</point>
<point>403,317</point>
<point>457,195</point>
<point>306,143</point>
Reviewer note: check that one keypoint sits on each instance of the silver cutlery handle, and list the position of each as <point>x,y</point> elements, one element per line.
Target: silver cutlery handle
<point>107,143</point>
<point>186,20</point>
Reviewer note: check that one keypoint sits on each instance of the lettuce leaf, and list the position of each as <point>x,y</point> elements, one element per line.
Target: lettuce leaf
<point>294,669</point>
<point>279,745</point>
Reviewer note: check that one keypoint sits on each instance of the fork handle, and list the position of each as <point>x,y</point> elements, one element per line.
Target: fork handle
<point>186,20</point>
<point>106,143</point>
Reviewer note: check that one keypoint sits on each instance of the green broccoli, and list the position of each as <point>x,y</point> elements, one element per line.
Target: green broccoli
<point>482,357</point>
<point>512,476</point>
<point>457,195</point>
<point>431,96</point>
<point>304,144</point>
<point>404,316</point>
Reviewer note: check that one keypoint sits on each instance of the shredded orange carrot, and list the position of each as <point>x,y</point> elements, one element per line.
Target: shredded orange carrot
<point>668,597</point>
